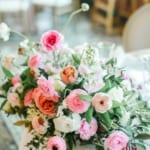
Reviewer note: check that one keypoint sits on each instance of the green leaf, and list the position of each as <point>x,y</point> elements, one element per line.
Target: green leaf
<point>89,114</point>
<point>76,59</point>
<point>106,119</point>
<point>22,123</point>
<point>143,136</point>
<point>3,103</point>
<point>85,97</point>
<point>116,104</point>
<point>7,73</point>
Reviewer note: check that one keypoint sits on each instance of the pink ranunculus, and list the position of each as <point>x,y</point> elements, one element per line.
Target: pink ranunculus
<point>15,80</point>
<point>56,142</point>
<point>14,99</point>
<point>28,100</point>
<point>34,61</point>
<point>39,125</point>
<point>116,141</point>
<point>87,129</point>
<point>75,104</point>
<point>52,40</point>
<point>46,86</point>
<point>46,104</point>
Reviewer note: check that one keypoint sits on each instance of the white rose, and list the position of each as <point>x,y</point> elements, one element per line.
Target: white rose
<point>66,124</point>
<point>4,31</point>
<point>116,94</point>
<point>59,85</point>
<point>25,44</point>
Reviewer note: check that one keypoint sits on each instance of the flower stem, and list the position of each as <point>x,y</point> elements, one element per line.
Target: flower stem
<point>19,34</point>
<point>71,16</point>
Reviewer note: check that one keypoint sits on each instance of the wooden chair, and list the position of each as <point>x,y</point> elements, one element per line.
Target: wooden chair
<point>103,12</point>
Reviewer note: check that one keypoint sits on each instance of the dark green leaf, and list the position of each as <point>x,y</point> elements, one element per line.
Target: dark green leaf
<point>89,114</point>
<point>106,119</point>
<point>7,73</point>
<point>3,103</point>
<point>143,136</point>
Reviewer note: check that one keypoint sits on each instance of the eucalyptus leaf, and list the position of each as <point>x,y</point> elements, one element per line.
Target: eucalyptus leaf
<point>143,136</point>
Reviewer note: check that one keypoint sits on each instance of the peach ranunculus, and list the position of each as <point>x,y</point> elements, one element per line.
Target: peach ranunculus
<point>46,104</point>
<point>101,102</point>
<point>57,143</point>
<point>52,40</point>
<point>116,141</point>
<point>46,86</point>
<point>69,74</point>
<point>39,125</point>
<point>34,61</point>
<point>75,104</point>
<point>28,98</point>
<point>87,129</point>
<point>15,80</point>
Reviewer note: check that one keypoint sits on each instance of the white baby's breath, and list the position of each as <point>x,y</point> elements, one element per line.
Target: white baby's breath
<point>4,31</point>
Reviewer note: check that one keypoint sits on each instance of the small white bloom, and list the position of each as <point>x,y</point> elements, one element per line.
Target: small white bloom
<point>126,84</point>
<point>116,94</point>
<point>59,85</point>
<point>66,124</point>
<point>4,31</point>
<point>85,7</point>
<point>83,69</point>
<point>125,118</point>
<point>24,44</point>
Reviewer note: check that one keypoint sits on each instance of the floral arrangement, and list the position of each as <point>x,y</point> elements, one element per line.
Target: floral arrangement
<point>68,97</point>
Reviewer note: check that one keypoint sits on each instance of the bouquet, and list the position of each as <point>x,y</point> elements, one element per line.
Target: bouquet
<point>67,97</point>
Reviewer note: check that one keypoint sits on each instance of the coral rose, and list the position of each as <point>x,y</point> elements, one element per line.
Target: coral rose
<point>28,100</point>
<point>34,61</point>
<point>69,74</point>
<point>87,129</point>
<point>57,143</point>
<point>45,103</point>
<point>52,40</point>
<point>39,125</point>
<point>116,141</point>
<point>75,104</point>
<point>101,102</point>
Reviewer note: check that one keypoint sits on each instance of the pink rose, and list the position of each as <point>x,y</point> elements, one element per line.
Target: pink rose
<point>28,100</point>
<point>101,102</point>
<point>87,129</point>
<point>52,40</point>
<point>34,61</point>
<point>39,125</point>
<point>14,99</point>
<point>46,86</point>
<point>15,80</point>
<point>56,142</point>
<point>116,141</point>
<point>75,104</point>
<point>46,104</point>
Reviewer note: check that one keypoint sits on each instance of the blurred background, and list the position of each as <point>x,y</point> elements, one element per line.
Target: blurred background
<point>107,20</point>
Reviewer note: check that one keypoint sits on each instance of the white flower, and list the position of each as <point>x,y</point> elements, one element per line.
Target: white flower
<point>83,69</point>
<point>116,94</point>
<point>125,118</point>
<point>4,31</point>
<point>59,85</point>
<point>126,84</point>
<point>24,44</point>
<point>85,7</point>
<point>66,124</point>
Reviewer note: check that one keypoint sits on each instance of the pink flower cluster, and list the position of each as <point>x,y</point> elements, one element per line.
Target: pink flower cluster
<point>87,129</point>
